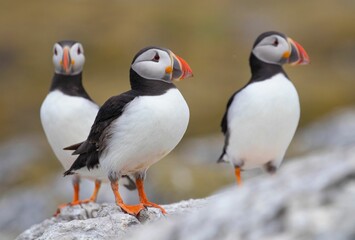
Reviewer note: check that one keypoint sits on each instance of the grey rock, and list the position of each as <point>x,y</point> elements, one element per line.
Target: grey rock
<point>309,198</point>
<point>36,203</point>
<point>336,129</point>
<point>101,221</point>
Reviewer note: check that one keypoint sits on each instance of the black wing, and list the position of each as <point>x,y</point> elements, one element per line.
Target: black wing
<point>224,122</point>
<point>90,149</point>
<point>224,127</point>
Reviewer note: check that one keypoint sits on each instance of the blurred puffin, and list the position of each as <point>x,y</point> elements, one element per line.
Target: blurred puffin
<point>261,118</point>
<point>139,127</point>
<point>68,112</point>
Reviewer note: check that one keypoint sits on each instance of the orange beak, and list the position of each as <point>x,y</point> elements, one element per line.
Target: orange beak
<point>298,54</point>
<point>181,68</point>
<point>66,63</point>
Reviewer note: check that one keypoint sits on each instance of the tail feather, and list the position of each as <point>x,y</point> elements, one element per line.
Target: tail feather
<point>92,160</point>
<point>73,147</point>
<point>222,158</point>
<point>68,172</point>
<point>84,147</point>
<point>80,162</point>
<point>88,157</point>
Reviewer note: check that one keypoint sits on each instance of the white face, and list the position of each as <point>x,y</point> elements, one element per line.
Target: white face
<point>154,64</point>
<point>75,59</point>
<point>272,49</point>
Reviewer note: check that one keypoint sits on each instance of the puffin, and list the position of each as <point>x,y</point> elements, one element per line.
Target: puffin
<point>139,127</point>
<point>68,112</point>
<point>261,118</point>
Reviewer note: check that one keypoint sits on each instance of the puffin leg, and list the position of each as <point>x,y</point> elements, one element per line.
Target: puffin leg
<point>76,187</point>
<point>76,201</point>
<point>130,209</point>
<point>96,191</point>
<point>143,197</point>
<point>238,176</point>
<point>94,194</point>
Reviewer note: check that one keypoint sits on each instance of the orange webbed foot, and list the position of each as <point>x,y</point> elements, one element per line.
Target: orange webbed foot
<point>131,209</point>
<point>143,197</point>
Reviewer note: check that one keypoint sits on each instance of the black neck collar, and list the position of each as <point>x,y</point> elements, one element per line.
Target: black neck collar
<point>69,85</point>
<point>261,71</point>
<point>146,87</point>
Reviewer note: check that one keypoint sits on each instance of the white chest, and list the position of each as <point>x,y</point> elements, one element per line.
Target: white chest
<point>149,128</point>
<point>66,120</point>
<point>262,120</point>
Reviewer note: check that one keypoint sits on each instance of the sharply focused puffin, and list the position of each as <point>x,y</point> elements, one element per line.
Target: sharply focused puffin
<point>139,127</point>
<point>261,118</point>
<point>68,112</point>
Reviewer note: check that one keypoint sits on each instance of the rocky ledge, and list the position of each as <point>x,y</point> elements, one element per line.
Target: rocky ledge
<point>311,197</point>
<point>101,221</point>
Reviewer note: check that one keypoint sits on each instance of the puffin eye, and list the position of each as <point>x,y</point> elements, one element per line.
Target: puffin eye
<point>276,42</point>
<point>156,58</point>
<point>79,51</point>
<point>55,51</point>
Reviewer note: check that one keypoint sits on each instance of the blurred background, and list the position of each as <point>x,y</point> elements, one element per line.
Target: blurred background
<point>214,37</point>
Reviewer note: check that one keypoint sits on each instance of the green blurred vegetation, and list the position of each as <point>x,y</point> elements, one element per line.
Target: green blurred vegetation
<point>214,37</point>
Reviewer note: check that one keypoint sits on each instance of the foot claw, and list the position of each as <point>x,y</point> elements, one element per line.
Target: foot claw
<point>154,205</point>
